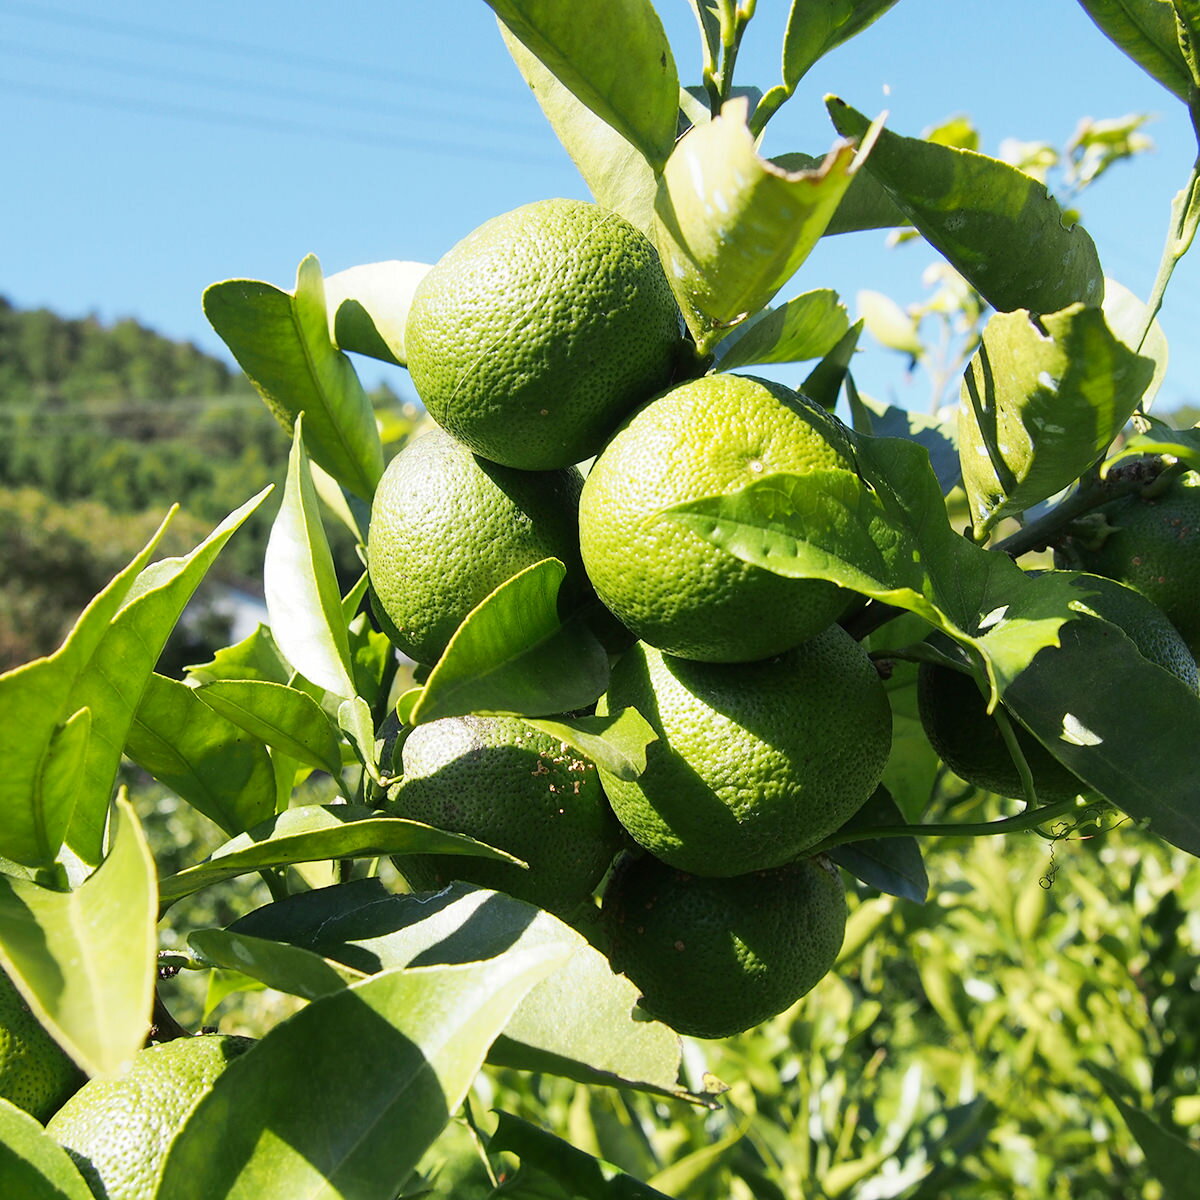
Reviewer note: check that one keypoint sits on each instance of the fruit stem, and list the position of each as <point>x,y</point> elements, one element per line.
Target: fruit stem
<point>1030,819</point>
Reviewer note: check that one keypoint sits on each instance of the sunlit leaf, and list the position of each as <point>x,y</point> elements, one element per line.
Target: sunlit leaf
<point>367,307</point>
<point>616,742</point>
<point>808,326</point>
<point>33,1166</point>
<point>1145,30</point>
<point>85,960</point>
<point>275,964</point>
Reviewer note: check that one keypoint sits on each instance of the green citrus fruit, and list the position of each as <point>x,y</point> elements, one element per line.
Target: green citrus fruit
<point>675,590</point>
<point>505,783</point>
<point>1151,543</point>
<point>539,331</point>
<point>714,957</point>
<point>447,528</point>
<point>755,762</point>
<point>969,740</point>
<point>35,1073</point>
<point>118,1131</point>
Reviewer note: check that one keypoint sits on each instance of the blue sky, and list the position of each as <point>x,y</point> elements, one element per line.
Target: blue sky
<point>150,150</point>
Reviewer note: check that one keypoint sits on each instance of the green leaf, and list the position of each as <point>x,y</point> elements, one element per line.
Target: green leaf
<point>615,171</point>
<point>1145,31</point>
<point>1171,1160</point>
<point>209,761</point>
<point>1160,438</point>
<point>367,307</point>
<point>1187,35</point>
<point>1126,316</point>
<point>998,227</point>
<point>344,1097</point>
<point>733,228</point>
<point>37,700</point>
<point>33,1166</point>
<point>889,324</point>
<point>823,384</point>
<point>281,340</point>
<point>354,719</point>
<point>512,654</point>
<point>1040,405</point>
<point>311,833</point>
<point>85,960</point>
<point>254,657</point>
<point>581,1022</point>
<point>892,864</point>
<point>611,54</point>
<point>864,205</point>
<point>708,18</point>
<point>579,1172</point>
<point>938,435</point>
<point>807,326</point>
<point>817,26</point>
<point>111,686</point>
<point>275,964</point>
<point>282,717</point>
<point>616,742</point>
<point>303,600</point>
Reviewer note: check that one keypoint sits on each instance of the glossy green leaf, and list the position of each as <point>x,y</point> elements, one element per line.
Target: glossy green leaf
<point>808,326</point>
<point>111,686</point>
<point>864,205</point>
<point>823,384</point>
<point>817,26</point>
<point>37,699</point>
<point>580,1022</point>
<point>708,19</point>
<point>33,1166</point>
<point>282,717</point>
<point>513,654</point>
<point>344,1097</point>
<point>256,656</point>
<point>367,307</point>
<point>354,719</point>
<point>1171,1160</point>
<point>281,340</point>
<point>732,228</point>
<point>615,171</point>
<point>939,435</point>
<point>1187,34</point>
<point>998,227</point>
<point>611,54</point>
<point>275,964</point>
<point>616,742</point>
<point>1040,405</point>
<point>892,864</point>
<point>310,833</point>
<point>85,960</point>
<point>303,600</point>
<point>578,1172</point>
<point>1145,31</point>
<point>215,765</point>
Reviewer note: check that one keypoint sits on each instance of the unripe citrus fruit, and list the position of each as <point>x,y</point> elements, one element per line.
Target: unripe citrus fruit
<point>505,783</point>
<point>755,762</point>
<point>36,1074</point>
<point>118,1131</point>
<point>969,741</point>
<point>1152,543</point>
<point>447,528</point>
<point>714,957</point>
<point>675,590</point>
<point>539,331</point>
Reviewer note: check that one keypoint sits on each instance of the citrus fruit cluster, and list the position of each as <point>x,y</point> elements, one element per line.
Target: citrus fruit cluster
<point>548,336</point>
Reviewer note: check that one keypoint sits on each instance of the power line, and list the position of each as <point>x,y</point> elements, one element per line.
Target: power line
<point>162,108</point>
<point>59,16</point>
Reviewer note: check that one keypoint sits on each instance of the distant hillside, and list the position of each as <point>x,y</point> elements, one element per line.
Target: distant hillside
<point>102,429</point>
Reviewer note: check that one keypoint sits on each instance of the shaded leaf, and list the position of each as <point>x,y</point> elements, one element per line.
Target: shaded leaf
<point>808,326</point>
<point>281,340</point>
<point>313,832</point>
<point>865,204</point>
<point>998,227</point>
<point>1040,405</point>
<point>513,654</point>
<point>344,1097</point>
<point>303,600</point>
<point>1145,31</point>
<point>85,960</point>
<point>823,384</point>
<point>275,964</point>
<point>212,763</point>
<point>892,864</point>
<point>279,716</point>
<point>939,435</point>
<point>354,719</point>
<point>732,228</point>
<point>33,1166</point>
<point>611,54</point>
<point>368,305</point>
<point>579,1172</point>
<point>1125,316</point>
<point>1160,438</point>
